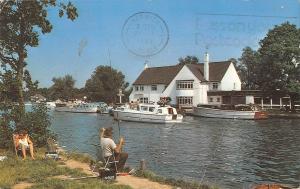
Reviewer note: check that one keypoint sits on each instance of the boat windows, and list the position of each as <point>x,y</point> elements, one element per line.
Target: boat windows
<point>153,87</point>
<point>170,111</point>
<point>159,111</point>
<point>151,109</point>
<point>144,108</point>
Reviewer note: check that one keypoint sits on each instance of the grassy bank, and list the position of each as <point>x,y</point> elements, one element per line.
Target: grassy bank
<point>173,182</point>
<point>45,173</point>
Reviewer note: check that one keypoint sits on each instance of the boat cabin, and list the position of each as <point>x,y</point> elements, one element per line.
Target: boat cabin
<point>166,110</point>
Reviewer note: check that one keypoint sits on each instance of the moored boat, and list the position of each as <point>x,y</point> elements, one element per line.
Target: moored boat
<point>50,105</point>
<point>230,112</point>
<point>148,113</point>
<point>78,108</point>
<point>104,108</point>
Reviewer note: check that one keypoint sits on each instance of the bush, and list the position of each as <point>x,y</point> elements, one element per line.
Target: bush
<point>5,134</point>
<point>37,122</point>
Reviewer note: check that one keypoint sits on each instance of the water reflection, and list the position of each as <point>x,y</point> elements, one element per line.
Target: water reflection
<point>230,153</point>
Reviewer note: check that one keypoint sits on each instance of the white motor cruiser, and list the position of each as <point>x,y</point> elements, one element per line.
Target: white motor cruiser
<point>149,113</point>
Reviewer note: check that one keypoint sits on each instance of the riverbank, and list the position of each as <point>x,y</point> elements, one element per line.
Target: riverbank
<point>41,173</point>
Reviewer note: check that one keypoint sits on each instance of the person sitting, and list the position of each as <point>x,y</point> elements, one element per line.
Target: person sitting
<point>110,148</point>
<point>24,143</point>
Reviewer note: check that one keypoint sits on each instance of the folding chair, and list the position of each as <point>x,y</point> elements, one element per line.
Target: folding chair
<point>109,171</point>
<point>17,149</point>
<point>52,150</point>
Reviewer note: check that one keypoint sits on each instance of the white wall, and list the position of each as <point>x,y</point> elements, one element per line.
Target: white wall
<point>199,92</point>
<point>249,99</point>
<point>210,84</point>
<point>231,80</point>
<point>153,96</point>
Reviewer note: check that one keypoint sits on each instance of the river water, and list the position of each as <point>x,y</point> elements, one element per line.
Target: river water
<point>227,153</point>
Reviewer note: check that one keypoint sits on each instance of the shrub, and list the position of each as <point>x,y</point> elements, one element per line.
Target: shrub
<point>37,122</point>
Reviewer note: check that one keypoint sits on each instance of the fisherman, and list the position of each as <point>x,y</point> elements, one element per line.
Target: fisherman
<point>110,148</point>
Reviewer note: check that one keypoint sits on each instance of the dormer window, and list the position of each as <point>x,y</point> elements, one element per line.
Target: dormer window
<point>215,86</point>
<point>153,87</point>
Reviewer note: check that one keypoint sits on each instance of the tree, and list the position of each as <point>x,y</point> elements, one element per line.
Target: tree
<point>31,86</point>
<point>248,69</point>
<point>63,88</point>
<point>104,84</point>
<point>21,24</point>
<point>188,60</point>
<point>234,61</point>
<point>279,58</point>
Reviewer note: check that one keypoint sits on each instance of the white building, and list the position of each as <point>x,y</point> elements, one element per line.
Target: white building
<point>186,85</point>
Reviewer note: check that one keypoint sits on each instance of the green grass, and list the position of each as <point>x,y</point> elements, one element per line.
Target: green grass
<point>77,184</point>
<point>40,172</point>
<point>84,158</point>
<point>173,182</point>
<point>15,170</point>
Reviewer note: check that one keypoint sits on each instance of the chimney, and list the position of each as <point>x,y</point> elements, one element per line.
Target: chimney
<point>206,66</point>
<point>146,64</point>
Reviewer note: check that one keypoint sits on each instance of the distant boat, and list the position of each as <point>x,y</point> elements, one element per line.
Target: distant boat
<point>229,112</point>
<point>104,108</point>
<point>50,105</point>
<point>148,113</point>
<point>78,108</point>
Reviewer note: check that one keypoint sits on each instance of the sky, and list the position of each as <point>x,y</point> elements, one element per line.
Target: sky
<point>127,33</point>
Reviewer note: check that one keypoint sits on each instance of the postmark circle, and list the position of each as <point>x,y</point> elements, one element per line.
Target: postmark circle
<point>145,34</point>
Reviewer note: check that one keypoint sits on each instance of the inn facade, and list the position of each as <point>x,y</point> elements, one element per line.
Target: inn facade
<point>187,85</point>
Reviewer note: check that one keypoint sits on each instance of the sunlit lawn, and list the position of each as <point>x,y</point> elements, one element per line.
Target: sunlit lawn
<point>41,172</point>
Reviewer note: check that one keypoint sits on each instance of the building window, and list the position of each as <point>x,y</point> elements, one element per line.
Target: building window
<point>218,99</point>
<point>153,87</point>
<point>144,100</point>
<point>141,88</point>
<point>136,88</point>
<point>184,100</point>
<point>211,99</point>
<point>184,84</point>
<point>234,85</point>
<point>215,86</point>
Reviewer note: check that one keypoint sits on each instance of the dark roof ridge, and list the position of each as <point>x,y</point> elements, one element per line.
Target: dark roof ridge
<point>163,66</point>
<point>216,62</point>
